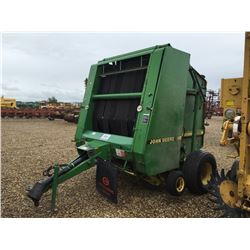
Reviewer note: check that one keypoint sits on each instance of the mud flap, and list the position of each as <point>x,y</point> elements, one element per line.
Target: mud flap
<point>106,179</point>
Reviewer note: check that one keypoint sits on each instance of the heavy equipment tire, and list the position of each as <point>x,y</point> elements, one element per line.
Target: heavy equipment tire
<point>175,183</point>
<point>232,173</point>
<point>198,169</point>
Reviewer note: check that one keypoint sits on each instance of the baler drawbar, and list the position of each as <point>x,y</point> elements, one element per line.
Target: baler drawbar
<point>84,161</point>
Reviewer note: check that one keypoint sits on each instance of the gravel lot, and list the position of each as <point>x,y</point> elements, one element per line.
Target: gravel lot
<point>29,146</point>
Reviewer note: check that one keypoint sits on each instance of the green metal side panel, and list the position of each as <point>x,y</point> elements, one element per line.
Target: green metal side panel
<point>147,99</point>
<point>200,114</point>
<point>194,117</point>
<point>166,124</point>
<point>188,118</point>
<point>84,120</point>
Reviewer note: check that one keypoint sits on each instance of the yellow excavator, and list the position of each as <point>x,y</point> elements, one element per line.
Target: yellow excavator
<point>231,191</point>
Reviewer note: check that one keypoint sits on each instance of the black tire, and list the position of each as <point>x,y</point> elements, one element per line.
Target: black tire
<point>232,173</point>
<point>197,169</point>
<point>175,183</point>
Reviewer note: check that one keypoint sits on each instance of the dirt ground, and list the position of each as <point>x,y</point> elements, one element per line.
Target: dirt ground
<point>30,146</point>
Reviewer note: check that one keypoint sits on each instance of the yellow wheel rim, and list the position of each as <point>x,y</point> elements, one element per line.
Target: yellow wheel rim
<point>206,173</point>
<point>180,184</point>
<point>229,192</point>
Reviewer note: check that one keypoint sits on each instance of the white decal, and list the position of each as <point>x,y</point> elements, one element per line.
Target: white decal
<point>105,137</point>
<point>120,152</point>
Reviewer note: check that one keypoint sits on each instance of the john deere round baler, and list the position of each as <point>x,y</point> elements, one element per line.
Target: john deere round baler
<point>142,113</point>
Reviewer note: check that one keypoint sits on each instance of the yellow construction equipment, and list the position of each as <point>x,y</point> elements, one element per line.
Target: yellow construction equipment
<point>231,191</point>
<point>8,102</point>
<point>231,93</point>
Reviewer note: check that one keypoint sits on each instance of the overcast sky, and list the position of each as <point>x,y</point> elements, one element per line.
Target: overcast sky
<point>40,65</point>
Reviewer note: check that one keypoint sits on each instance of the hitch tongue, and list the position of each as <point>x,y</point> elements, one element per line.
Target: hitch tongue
<point>39,188</point>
